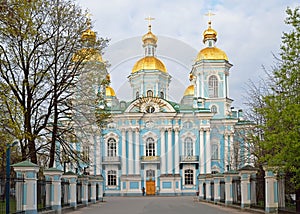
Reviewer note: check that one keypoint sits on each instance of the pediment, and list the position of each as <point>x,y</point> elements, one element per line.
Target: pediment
<point>150,105</point>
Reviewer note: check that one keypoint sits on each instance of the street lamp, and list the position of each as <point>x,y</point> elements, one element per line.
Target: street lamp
<point>8,146</point>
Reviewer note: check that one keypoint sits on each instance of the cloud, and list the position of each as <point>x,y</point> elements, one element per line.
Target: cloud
<point>249,31</point>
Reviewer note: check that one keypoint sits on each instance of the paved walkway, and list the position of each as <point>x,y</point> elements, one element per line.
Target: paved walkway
<point>153,205</point>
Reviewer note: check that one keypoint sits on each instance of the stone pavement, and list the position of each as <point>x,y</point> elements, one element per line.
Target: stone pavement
<point>153,205</point>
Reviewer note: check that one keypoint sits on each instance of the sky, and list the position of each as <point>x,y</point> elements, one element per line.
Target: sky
<point>249,31</point>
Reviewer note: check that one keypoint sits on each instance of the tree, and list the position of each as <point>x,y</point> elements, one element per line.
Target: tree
<point>281,107</point>
<point>37,42</point>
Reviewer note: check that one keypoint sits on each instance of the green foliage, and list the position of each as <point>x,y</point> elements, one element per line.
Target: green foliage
<point>281,110</point>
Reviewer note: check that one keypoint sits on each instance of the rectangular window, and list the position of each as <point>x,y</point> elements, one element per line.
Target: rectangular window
<point>112,178</point>
<point>189,177</point>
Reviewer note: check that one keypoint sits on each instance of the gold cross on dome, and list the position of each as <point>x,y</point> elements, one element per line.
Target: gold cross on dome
<point>210,14</point>
<point>149,19</point>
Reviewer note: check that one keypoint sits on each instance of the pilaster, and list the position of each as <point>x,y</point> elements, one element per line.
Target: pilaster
<point>84,186</point>
<point>163,151</point>
<point>201,181</point>
<point>176,164</point>
<point>245,174</point>
<point>208,180</point>
<point>170,152</point>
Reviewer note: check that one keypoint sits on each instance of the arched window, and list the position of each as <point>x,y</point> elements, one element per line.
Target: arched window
<point>112,178</point>
<point>213,86</point>
<point>188,177</point>
<point>149,93</point>
<point>214,109</point>
<point>150,147</point>
<point>137,95</point>
<point>162,95</point>
<point>214,152</point>
<point>111,147</point>
<point>188,147</point>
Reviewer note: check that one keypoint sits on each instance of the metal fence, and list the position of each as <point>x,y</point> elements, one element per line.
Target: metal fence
<point>15,194</point>
<point>79,193</point>
<point>43,188</point>
<point>65,188</point>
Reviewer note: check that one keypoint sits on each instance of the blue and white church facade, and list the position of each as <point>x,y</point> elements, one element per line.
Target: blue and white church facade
<point>153,142</point>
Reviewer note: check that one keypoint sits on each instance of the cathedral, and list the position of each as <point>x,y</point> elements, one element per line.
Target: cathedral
<point>151,142</point>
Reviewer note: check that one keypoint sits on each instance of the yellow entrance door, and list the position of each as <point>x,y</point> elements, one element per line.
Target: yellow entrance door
<point>150,187</point>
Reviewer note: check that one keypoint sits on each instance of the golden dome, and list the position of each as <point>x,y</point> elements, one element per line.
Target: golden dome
<point>211,53</point>
<point>189,91</point>
<point>210,34</point>
<point>87,54</point>
<point>149,38</point>
<point>88,35</point>
<point>109,92</point>
<point>149,63</point>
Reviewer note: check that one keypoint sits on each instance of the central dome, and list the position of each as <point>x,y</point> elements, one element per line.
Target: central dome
<point>149,63</point>
<point>211,53</point>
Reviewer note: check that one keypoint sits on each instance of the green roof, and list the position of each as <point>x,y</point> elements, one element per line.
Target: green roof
<point>25,163</point>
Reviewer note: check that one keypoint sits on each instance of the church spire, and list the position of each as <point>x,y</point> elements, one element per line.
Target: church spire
<point>149,40</point>
<point>209,35</point>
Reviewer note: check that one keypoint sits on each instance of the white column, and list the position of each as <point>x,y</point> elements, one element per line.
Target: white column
<point>201,152</point>
<point>170,152</point>
<point>226,144</point>
<point>201,187</point>
<point>137,151</point>
<point>124,155</point>
<point>232,158</point>
<point>208,152</point>
<point>176,164</point>
<point>162,152</point>
<point>130,153</point>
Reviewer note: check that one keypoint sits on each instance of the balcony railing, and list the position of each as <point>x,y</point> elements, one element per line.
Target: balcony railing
<point>189,159</point>
<point>150,159</point>
<point>111,160</point>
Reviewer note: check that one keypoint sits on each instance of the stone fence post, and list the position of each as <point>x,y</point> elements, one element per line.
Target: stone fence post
<point>217,187</point>
<point>245,174</point>
<point>271,191</point>
<point>84,181</point>
<point>28,171</point>
<point>228,177</point>
<point>72,178</point>
<point>201,179</point>
<point>54,175</point>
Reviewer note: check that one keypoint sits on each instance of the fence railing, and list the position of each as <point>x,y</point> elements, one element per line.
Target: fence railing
<point>15,194</point>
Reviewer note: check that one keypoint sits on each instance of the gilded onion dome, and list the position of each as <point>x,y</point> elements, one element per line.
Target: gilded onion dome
<point>189,91</point>
<point>149,38</point>
<point>149,63</point>
<point>109,92</point>
<point>211,52</point>
<point>88,53</point>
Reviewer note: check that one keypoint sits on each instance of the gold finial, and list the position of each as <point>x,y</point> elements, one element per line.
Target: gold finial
<point>209,14</point>
<point>149,19</point>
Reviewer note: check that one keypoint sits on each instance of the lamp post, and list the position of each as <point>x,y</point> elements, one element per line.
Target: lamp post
<point>8,146</point>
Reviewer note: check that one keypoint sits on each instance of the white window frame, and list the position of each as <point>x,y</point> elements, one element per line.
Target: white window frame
<point>188,147</point>
<point>213,86</point>
<point>150,151</point>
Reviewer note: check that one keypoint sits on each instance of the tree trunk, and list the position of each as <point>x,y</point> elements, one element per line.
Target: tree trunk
<point>32,151</point>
